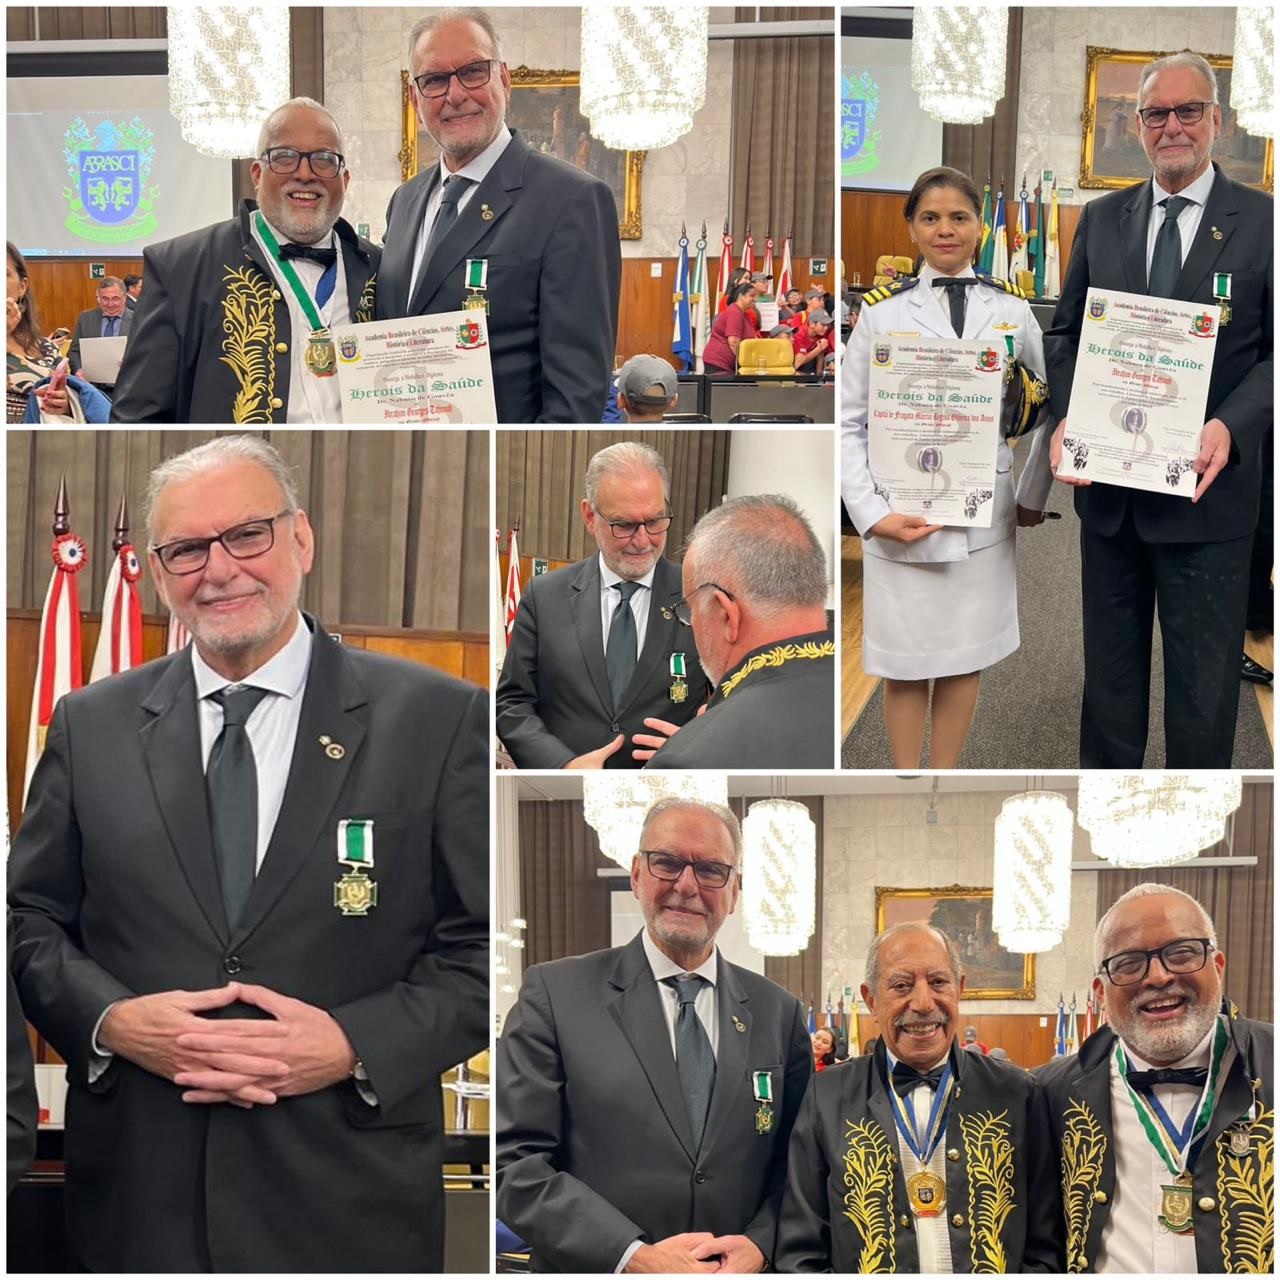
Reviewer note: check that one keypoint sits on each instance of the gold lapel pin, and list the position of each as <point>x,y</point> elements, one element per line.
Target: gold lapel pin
<point>334,750</point>
<point>739,1024</point>
<point>1217,235</point>
<point>486,213</point>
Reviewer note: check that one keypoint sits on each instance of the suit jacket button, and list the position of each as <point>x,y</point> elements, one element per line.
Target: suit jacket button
<point>275,295</point>
<point>699,1176</point>
<point>282,347</point>
<point>276,402</point>
<point>1207,1203</point>
<point>953,1154</point>
<point>957,1219</point>
<point>1099,1197</point>
<point>617,728</point>
<point>232,965</point>
<point>904,1221</point>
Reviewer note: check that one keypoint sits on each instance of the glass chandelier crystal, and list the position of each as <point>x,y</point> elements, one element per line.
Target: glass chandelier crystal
<point>1155,819</point>
<point>779,876</point>
<point>957,60</point>
<point>1031,901</point>
<point>644,72</point>
<point>614,805</point>
<point>1253,70</point>
<point>228,70</point>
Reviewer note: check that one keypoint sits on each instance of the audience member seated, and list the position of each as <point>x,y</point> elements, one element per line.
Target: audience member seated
<point>812,343</point>
<point>812,302</point>
<point>31,356</point>
<point>729,328</point>
<point>109,319</point>
<point>647,388</point>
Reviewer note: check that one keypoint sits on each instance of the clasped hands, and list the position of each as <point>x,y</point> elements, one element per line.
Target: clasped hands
<point>246,1062</point>
<point>695,1251</point>
<point>646,744</point>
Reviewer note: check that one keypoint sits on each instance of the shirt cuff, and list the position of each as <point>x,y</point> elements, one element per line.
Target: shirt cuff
<point>627,1256</point>
<point>99,1058</point>
<point>360,1078</point>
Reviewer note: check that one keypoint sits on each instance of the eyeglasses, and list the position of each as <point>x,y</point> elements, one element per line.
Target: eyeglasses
<point>435,84</point>
<point>629,528</point>
<point>240,542</point>
<point>1187,113</point>
<point>682,610</point>
<point>324,164</point>
<point>1184,955</point>
<point>667,866</point>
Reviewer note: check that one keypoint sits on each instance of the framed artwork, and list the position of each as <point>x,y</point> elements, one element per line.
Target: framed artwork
<point>544,109</point>
<point>964,915</point>
<point>1111,154</point>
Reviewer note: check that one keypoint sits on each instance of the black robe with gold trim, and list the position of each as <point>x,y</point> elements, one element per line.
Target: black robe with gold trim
<point>846,1210</point>
<point>211,333</point>
<point>1233,1190</point>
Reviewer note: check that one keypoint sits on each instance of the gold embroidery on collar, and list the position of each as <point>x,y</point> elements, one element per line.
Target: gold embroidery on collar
<point>250,325</point>
<point>989,1159</point>
<point>868,1173</point>
<point>775,657</point>
<point>1083,1145</point>
<point>364,308</point>
<point>1246,1202</point>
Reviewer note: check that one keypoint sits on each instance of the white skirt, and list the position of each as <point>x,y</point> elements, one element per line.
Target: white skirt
<point>920,621</point>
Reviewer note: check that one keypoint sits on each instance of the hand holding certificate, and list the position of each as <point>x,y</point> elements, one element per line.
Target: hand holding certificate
<point>1139,393</point>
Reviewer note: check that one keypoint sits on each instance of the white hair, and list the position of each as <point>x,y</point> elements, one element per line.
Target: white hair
<point>444,17</point>
<point>1148,889</point>
<point>682,804</point>
<point>626,457</point>
<point>1173,60</point>
<point>267,134</point>
<point>871,972</point>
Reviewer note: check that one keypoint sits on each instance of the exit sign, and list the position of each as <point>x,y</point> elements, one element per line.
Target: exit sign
<point>817,266</point>
<point>97,271</point>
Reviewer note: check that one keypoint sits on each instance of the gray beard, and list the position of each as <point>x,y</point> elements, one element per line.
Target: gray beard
<point>1161,1045</point>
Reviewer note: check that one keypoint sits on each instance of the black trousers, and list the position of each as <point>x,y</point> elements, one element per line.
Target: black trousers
<point>1200,591</point>
<point>1261,610</point>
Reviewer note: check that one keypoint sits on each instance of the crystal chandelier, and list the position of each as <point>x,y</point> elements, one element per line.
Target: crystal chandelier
<point>957,60</point>
<point>1031,901</point>
<point>644,72</point>
<point>1155,819</point>
<point>779,876</point>
<point>1253,70</point>
<point>228,70</point>
<point>614,805</point>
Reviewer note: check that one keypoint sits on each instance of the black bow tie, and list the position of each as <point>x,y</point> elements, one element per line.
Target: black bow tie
<point>325,257</point>
<point>1195,1076</point>
<point>906,1078</point>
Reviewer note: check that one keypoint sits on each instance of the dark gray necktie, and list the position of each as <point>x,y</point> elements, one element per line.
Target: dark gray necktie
<point>695,1063</point>
<point>231,780</point>
<point>1166,258</point>
<point>112,327</point>
<point>955,298</point>
<point>620,650</point>
<point>446,215</point>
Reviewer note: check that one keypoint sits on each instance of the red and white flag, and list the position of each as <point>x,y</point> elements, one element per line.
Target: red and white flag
<point>784,276</point>
<point>58,665</point>
<point>1088,1017</point>
<point>749,253</point>
<point>120,640</point>
<point>498,635</point>
<point>767,269</point>
<point>513,580</point>
<point>726,270</point>
<point>179,636</point>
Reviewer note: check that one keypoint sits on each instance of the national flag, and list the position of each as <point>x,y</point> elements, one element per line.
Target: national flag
<point>1052,262</point>
<point>851,1030</point>
<point>513,580</point>
<point>1021,232</point>
<point>749,252</point>
<point>1073,1027</point>
<point>1088,1016</point>
<point>830,1011</point>
<point>1060,1036</point>
<point>700,300</point>
<point>726,270</point>
<point>784,281</point>
<point>681,326</point>
<point>767,269</point>
<point>178,638</point>
<point>984,241</point>
<point>1038,250</point>
<point>498,632</point>
<point>58,663</point>
<point>813,1020</point>
<point>120,639</point>
<point>1000,242</point>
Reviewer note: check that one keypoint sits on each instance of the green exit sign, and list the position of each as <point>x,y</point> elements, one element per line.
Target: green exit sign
<point>97,271</point>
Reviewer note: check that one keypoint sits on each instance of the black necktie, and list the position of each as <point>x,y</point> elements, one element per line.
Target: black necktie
<point>1166,258</point>
<point>313,253</point>
<point>620,650</point>
<point>695,1063</point>
<point>453,190</point>
<point>231,780</point>
<point>955,297</point>
<point>112,327</point>
<point>906,1078</point>
<point>1194,1076</point>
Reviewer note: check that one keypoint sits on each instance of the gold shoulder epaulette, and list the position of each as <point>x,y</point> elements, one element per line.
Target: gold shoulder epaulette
<point>883,291</point>
<point>1006,286</point>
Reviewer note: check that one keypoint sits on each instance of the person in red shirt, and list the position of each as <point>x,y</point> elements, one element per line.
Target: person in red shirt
<point>812,343</point>
<point>812,303</point>
<point>720,355</point>
<point>971,1040</point>
<point>824,1048</point>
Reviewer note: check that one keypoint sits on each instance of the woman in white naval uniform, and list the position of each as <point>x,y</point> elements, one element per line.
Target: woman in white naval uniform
<point>939,603</point>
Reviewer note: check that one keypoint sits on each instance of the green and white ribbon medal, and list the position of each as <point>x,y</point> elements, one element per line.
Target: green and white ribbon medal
<point>477,283</point>
<point>355,894</point>
<point>763,1083</point>
<point>679,689</point>
<point>1222,294</point>
<point>321,358</point>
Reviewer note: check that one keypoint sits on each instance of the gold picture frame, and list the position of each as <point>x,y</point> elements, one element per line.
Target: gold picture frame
<point>534,115</point>
<point>1111,155</point>
<point>964,914</point>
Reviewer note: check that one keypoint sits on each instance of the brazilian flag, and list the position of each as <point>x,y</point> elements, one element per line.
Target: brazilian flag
<point>984,255</point>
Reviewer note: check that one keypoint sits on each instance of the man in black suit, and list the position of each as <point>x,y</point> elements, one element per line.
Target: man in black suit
<point>109,319</point>
<point>132,291</point>
<point>235,325</point>
<point>249,908</point>
<point>1191,234</point>
<point>598,670</point>
<point>530,238</point>
<point>645,1094</point>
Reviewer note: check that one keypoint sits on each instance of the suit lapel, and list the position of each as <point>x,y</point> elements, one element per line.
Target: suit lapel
<point>638,1012</point>
<point>584,607</point>
<point>731,1051</point>
<point>664,594</point>
<point>397,254</point>
<point>171,748</point>
<point>1219,215</point>
<point>1134,219</point>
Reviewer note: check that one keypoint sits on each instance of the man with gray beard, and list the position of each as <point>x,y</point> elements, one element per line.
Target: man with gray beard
<point>1164,1122</point>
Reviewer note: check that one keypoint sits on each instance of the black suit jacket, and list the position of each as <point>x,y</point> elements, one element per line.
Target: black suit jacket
<point>846,1208</point>
<point>114,892</point>
<point>1234,1230</point>
<point>1110,252</point>
<point>555,271</point>
<point>553,695</point>
<point>89,325</point>
<point>594,1149</point>
<point>213,329</point>
<point>21,1104</point>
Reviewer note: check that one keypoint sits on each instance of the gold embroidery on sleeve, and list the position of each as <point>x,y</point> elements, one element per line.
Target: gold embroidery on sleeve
<point>989,1156</point>
<point>1246,1203</point>
<point>868,1174</point>
<point>1083,1145</point>
<point>250,325</point>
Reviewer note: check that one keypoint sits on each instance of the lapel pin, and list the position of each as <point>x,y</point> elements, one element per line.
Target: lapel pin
<point>738,1023</point>
<point>1217,235</point>
<point>486,213</point>
<point>334,750</point>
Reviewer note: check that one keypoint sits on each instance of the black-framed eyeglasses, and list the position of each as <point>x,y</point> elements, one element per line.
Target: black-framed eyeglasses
<point>682,610</point>
<point>629,528</point>
<point>324,164</point>
<point>240,542</point>
<point>1183,955</point>
<point>669,866</point>
<point>475,75</point>
<point>1187,113</point>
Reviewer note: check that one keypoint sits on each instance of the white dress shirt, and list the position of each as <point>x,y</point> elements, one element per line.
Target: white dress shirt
<point>1133,1239</point>
<point>1188,219</point>
<point>477,170</point>
<point>311,399</point>
<point>611,597</point>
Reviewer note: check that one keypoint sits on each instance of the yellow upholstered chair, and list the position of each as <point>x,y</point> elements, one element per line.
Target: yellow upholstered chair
<point>766,357</point>
<point>899,262</point>
<point>1026,281</point>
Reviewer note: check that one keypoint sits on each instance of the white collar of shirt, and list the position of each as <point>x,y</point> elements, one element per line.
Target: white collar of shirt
<point>284,673</point>
<point>928,274</point>
<point>478,168</point>
<point>309,272</point>
<point>664,966</point>
<point>1197,192</point>
<point>893,1062</point>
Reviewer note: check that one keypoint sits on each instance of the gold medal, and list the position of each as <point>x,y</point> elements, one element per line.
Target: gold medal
<point>1225,316</point>
<point>1238,1139</point>
<point>1175,1205</point>
<point>355,894</point>
<point>476,302</point>
<point>764,1118</point>
<point>927,1194</point>
<point>321,359</point>
<point>679,690</point>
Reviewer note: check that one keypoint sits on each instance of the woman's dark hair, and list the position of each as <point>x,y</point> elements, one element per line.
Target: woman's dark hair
<point>737,276</point>
<point>27,330</point>
<point>737,290</point>
<point>829,1057</point>
<point>942,176</point>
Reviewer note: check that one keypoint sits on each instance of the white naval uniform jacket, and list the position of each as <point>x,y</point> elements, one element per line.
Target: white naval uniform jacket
<point>918,312</point>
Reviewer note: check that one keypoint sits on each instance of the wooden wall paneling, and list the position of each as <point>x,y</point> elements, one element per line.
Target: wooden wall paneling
<point>20,24</point>
<point>1020,1035</point>
<point>63,289</point>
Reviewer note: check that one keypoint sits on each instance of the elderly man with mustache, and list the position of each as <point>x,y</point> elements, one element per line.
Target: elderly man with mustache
<point>919,1158</point>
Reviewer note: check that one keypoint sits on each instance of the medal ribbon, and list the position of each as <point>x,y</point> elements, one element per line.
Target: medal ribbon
<point>935,1126</point>
<point>764,1086</point>
<point>477,273</point>
<point>677,665</point>
<point>1222,286</point>
<point>355,842</point>
<point>305,300</point>
<point>1174,1146</point>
